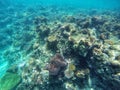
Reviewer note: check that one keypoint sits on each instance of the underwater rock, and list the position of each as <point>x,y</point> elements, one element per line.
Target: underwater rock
<point>40,19</point>
<point>70,18</point>
<point>52,42</point>
<point>114,63</point>
<point>81,45</point>
<point>97,20</point>
<point>56,65</point>
<point>42,31</point>
<point>86,24</point>
<point>36,45</point>
<point>69,86</point>
<point>82,73</point>
<point>67,29</point>
<point>44,75</point>
<point>117,26</point>
<point>103,66</point>
<point>34,75</point>
<point>33,68</point>
<point>9,81</point>
<point>117,57</point>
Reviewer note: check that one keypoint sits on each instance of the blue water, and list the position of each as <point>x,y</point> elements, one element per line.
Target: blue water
<point>9,9</point>
<point>6,32</point>
<point>74,3</point>
<point>16,24</point>
<point>77,3</point>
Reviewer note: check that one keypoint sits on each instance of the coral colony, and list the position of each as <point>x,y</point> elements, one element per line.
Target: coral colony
<point>56,65</point>
<point>55,49</point>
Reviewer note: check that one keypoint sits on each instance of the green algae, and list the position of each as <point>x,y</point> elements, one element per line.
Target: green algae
<point>9,81</point>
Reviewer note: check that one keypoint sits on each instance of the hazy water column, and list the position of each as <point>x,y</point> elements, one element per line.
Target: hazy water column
<point>75,3</point>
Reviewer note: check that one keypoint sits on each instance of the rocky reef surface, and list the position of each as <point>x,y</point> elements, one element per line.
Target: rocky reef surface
<point>56,48</point>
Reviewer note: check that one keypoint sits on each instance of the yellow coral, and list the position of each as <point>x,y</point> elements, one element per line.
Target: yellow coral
<point>69,72</point>
<point>80,74</point>
<point>72,67</point>
<point>52,38</point>
<point>110,42</point>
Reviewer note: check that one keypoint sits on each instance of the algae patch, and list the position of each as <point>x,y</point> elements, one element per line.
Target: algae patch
<point>9,81</point>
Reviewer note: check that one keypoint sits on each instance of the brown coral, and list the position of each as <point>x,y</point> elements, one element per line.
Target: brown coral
<point>56,64</point>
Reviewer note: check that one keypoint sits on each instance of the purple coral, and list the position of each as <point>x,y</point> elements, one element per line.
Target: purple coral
<point>56,64</point>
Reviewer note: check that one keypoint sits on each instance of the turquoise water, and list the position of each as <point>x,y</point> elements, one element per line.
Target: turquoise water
<point>18,34</point>
<point>77,3</point>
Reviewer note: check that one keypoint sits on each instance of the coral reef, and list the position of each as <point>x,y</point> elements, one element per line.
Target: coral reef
<point>33,76</point>
<point>52,49</point>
